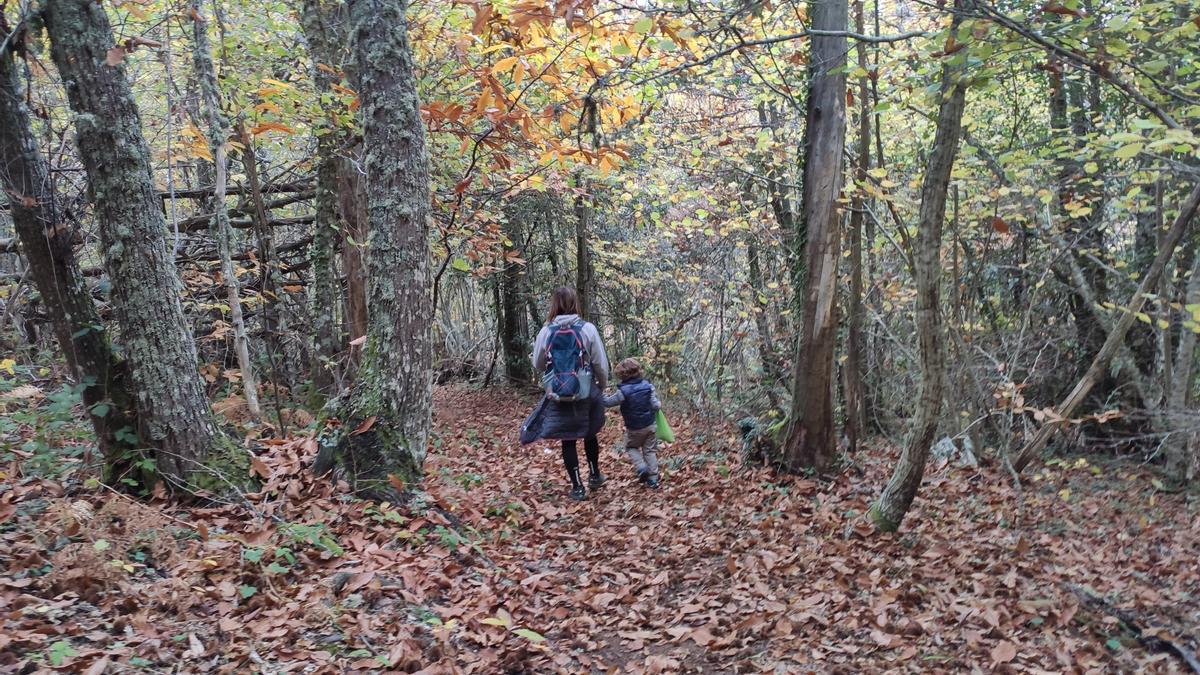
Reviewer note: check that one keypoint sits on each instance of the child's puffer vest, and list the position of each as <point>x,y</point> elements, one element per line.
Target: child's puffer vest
<point>637,410</point>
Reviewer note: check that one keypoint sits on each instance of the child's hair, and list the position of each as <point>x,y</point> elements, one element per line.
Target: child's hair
<point>628,369</point>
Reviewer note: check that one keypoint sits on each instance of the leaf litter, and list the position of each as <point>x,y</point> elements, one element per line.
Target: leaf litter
<point>727,568</point>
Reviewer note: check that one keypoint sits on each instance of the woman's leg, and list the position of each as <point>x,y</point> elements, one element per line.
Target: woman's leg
<point>591,448</point>
<point>570,458</point>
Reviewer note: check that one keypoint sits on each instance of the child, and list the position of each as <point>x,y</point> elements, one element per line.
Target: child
<point>639,406</point>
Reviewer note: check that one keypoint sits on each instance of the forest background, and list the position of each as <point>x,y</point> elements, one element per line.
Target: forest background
<point>855,233</point>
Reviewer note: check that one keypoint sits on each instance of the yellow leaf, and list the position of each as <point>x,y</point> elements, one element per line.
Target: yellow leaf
<point>271,126</point>
<point>505,63</point>
<point>8,366</point>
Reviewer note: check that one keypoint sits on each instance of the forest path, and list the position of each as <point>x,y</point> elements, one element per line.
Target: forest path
<point>732,569</point>
<point>490,568</point>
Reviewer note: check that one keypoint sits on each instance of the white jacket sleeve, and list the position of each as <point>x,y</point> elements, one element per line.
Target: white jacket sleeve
<point>598,355</point>
<point>539,350</point>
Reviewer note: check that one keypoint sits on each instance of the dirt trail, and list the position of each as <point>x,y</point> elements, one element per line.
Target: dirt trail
<point>733,569</point>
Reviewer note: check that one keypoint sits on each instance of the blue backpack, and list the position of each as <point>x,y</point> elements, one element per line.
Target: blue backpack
<point>568,375</point>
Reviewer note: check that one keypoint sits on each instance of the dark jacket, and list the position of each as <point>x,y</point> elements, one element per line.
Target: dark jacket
<point>564,420</point>
<point>638,402</point>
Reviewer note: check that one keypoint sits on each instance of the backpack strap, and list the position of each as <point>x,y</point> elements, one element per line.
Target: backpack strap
<point>578,327</point>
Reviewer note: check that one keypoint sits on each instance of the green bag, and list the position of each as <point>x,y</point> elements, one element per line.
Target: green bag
<point>662,430</point>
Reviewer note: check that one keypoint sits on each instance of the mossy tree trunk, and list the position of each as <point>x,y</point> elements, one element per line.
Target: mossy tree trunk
<point>386,416</point>
<point>898,495</point>
<point>173,413</point>
<point>810,442</point>
<point>324,24</point>
<point>218,135</point>
<point>46,239</point>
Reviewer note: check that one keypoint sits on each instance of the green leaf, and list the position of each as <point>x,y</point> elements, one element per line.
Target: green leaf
<point>1113,643</point>
<point>461,265</point>
<point>252,554</point>
<point>100,409</point>
<point>1127,151</point>
<point>496,621</point>
<point>643,26</point>
<point>532,636</point>
<point>101,545</point>
<point>247,591</point>
<point>61,651</point>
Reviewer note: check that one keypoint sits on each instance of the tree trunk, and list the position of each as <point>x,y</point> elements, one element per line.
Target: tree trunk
<point>173,413</point>
<point>902,488</point>
<point>852,370</point>
<point>512,307</point>
<point>584,270</point>
<point>1181,461</point>
<point>218,134</point>
<point>46,240</point>
<point>773,371</point>
<point>382,441</point>
<point>324,25</point>
<point>353,197</point>
<point>810,441</point>
<point>1116,336</point>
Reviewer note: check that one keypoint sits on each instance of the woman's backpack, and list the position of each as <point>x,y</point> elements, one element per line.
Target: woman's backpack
<point>568,375</point>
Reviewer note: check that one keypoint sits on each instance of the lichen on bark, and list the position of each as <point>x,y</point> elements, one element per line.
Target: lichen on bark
<point>385,417</point>
<point>47,239</point>
<point>174,416</point>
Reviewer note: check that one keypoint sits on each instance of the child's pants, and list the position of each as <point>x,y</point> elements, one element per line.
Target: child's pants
<point>642,446</point>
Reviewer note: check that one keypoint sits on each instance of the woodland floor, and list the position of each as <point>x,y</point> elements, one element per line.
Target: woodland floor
<point>725,569</point>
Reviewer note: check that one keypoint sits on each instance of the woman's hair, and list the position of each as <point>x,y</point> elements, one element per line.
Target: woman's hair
<point>563,301</point>
<point>628,369</point>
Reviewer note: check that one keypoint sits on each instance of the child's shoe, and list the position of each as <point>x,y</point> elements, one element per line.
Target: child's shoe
<point>651,482</point>
<point>577,493</point>
<point>595,480</point>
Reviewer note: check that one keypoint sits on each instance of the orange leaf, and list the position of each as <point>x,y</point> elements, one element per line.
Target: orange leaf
<point>999,225</point>
<point>396,482</point>
<point>364,427</point>
<point>271,126</point>
<point>482,15</point>
<point>259,467</point>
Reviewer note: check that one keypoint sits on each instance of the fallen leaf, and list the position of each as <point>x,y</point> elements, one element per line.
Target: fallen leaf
<point>364,427</point>
<point>1004,652</point>
<point>195,647</point>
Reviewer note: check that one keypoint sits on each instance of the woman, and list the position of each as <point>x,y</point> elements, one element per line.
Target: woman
<point>569,421</point>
